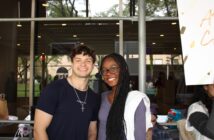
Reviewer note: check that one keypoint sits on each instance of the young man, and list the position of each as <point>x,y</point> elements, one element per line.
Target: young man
<point>67,108</point>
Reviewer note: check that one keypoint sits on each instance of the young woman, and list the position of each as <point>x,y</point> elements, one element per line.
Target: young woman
<point>200,117</point>
<point>124,114</point>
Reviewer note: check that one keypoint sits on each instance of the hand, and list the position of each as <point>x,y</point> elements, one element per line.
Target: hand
<point>153,119</point>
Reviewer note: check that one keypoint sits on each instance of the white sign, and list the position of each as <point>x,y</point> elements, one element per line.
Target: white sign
<point>196,19</point>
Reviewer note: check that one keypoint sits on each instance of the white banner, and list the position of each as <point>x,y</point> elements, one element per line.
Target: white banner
<point>196,19</point>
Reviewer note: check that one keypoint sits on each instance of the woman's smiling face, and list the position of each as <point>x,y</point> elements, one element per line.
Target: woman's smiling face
<point>110,72</point>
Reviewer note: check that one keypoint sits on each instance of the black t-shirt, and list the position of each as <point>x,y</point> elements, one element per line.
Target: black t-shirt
<point>69,122</point>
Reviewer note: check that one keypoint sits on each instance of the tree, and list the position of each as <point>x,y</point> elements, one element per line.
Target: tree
<point>22,68</point>
<point>62,8</point>
<point>66,8</point>
<point>153,8</point>
<point>161,7</point>
<point>39,64</point>
<point>114,11</point>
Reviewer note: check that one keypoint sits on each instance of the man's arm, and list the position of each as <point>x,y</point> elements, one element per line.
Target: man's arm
<point>92,130</point>
<point>41,122</point>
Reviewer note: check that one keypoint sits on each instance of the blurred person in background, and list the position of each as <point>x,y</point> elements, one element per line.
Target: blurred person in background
<point>200,116</point>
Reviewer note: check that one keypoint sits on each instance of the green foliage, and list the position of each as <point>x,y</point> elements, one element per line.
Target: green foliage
<point>66,8</point>
<point>23,91</point>
<point>62,8</point>
<point>152,7</point>
<point>23,67</point>
<point>161,8</point>
<point>114,11</point>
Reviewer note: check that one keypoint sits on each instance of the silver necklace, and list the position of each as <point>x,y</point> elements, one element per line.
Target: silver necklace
<point>82,103</point>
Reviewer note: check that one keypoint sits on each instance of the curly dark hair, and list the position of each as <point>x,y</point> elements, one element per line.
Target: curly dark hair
<point>83,49</point>
<point>116,127</point>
